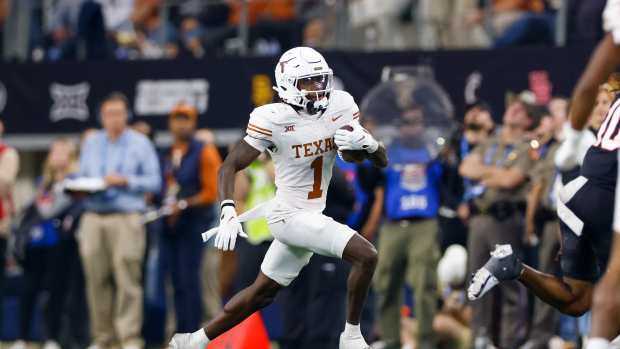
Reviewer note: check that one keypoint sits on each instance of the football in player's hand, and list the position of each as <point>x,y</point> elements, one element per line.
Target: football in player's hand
<point>352,155</point>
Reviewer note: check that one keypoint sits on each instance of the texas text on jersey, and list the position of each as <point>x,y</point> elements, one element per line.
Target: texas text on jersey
<point>601,162</point>
<point>302,148</point>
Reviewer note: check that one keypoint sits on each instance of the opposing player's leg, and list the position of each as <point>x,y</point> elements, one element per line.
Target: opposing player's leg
<point>571,294</point>
<point>585,230</point>
<point>606,303</point>
<point>280,267</point>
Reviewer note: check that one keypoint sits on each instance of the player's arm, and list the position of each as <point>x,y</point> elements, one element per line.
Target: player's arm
<point>604,60</point>
<point>360,139</point>
<point>240,157</point>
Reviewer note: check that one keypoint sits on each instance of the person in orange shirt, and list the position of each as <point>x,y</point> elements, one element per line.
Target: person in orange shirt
<point>190,184</point>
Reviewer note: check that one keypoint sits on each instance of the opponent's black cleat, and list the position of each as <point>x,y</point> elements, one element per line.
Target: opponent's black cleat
<point>503,265</point>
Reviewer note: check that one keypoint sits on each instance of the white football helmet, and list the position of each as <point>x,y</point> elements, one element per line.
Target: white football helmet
<point>304,79</point>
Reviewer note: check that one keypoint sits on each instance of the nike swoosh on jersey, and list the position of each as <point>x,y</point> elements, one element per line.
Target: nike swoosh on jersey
<point>334,118</point>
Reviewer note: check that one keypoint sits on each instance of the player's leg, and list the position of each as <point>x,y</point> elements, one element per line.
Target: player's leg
<point>280,267</point>
<point>320,234</point>
<point>571,294</point>
<point>606,303</point>
<point>249,300</point>
<point>245,303</point>
<point>363,258</point>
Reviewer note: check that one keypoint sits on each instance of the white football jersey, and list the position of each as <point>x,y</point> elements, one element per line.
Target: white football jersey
<point>302,148</point>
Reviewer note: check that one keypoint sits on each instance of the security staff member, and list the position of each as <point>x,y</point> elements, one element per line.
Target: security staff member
<point>190,179</point>
<point>500,168</point>
<point>541,220</point>
<point>408,244</point>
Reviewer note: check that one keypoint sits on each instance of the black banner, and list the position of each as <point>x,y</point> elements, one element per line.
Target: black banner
<point>63,97</point>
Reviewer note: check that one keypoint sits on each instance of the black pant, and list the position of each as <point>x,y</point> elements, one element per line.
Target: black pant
<point>181,253</point>
<point>57,271</point>
<point>585,257</point>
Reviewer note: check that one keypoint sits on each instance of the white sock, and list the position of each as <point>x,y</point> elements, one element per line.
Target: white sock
<point>352,330</point>
<point>597,343</point>
<point>200,337</point>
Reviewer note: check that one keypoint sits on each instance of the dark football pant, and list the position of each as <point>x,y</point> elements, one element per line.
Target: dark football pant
<point>586,226</point>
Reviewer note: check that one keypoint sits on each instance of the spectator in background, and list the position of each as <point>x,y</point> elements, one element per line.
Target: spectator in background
<point>456,191</point>
<point>50,258</point>
<point>4,12</point>
<point>500,165</point>
<point>73,26</point>
<point>408,246</point>
<point>452,322</point>
<point>542,227</point>
<point>9,166</point>
<point>190,189</point>
<point>516,22</point>
<point>112,235</point>
<point>585,23</point>
<point>117,14</point>
<point>144,128</point>
<point>156,37</point>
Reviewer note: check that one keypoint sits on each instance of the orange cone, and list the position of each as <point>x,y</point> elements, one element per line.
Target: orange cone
<point>250,334</point>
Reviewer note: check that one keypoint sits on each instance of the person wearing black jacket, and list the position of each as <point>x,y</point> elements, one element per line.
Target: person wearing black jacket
<point>46,248</point>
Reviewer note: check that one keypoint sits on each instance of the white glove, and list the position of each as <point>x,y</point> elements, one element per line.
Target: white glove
<point>229,227</point>
<point>358,139</point>
<point>573,150</point>
<point>196,340</point>
<point>611,21</point>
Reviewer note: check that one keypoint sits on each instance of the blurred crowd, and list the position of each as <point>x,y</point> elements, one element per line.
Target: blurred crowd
<point>119,263</point>
<point>52,30</point>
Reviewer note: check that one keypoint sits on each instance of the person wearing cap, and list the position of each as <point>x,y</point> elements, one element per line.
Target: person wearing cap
<point>455,190</point>
<point>499,168</point>
<point>190,185</point>
<point>542,227</point>
<point>112,237</point>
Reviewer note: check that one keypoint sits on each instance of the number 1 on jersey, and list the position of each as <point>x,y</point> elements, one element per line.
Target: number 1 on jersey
<point>317,166</point>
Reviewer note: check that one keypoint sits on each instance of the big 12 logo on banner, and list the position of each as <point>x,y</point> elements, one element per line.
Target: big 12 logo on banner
<point>69,101</point>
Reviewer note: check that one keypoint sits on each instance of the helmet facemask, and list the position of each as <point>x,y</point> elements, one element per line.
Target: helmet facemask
<point>312,91</point>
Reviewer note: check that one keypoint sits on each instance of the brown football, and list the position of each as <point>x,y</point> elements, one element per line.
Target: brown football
<point>355,156</point>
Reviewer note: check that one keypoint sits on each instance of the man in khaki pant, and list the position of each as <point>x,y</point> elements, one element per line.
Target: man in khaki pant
<point>408,245</point>
<point>112,236</point>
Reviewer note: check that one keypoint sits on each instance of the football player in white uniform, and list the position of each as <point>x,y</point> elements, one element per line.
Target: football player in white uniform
<point>303,134</point>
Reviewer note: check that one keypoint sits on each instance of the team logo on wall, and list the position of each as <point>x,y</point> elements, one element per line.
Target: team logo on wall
<point>158,97</point>
<point>3,96</point>
<point>69,101</point>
